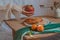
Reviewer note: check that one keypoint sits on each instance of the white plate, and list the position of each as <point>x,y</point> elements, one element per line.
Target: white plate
<point>45,22</point>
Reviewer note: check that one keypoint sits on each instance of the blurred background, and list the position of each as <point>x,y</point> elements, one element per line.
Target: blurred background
<point>42,8</point>
<point>39,11</point>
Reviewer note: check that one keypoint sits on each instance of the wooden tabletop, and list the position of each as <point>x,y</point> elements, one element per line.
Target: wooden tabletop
<point>15,25</point>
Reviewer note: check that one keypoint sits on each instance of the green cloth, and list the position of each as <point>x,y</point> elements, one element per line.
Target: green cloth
<point>50,28</point>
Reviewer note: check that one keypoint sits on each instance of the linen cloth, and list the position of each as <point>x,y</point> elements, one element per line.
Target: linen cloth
<point>49,28</point>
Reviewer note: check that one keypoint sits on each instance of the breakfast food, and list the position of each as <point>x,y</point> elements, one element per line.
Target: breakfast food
<point>34,26</point>
<point>28,10</point>
<point>32,20</point>
<point>40,28</point>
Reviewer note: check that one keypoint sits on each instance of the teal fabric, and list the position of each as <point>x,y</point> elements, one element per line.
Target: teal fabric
<point>50,28</point>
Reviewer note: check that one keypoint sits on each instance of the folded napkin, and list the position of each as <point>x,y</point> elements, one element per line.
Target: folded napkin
<point>50,28</point>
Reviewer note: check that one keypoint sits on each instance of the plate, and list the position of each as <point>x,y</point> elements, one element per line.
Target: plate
<point>45,22</point>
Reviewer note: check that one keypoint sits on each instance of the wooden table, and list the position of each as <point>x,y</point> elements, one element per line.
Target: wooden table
<point>15,25</point>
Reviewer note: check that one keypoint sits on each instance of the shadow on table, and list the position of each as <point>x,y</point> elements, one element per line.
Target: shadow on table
<point>53,37</point>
